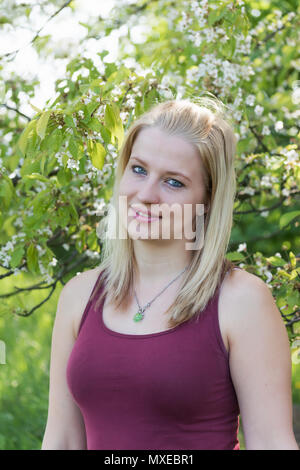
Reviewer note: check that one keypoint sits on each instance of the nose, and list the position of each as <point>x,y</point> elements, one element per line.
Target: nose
<point>148,193</point>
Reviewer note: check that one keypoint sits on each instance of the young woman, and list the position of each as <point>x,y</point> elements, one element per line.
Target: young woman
<point>166,344</point>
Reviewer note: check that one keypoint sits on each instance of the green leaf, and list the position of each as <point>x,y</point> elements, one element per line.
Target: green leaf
<point>39,111</point>
<point>119,129</point>
<point>94,124</point>
<point>63,216</point>
<point>41,202</point>
<point>5,19</point>
<point>65,159</point>
<point>6,191</point>
<point>32,259</point>
<point>42,124</point>
<point>43,162</point>
<point>29,180</point>
<point>285,219</point>
<point>31,166</point>
<point>64,176</point>
<point>231,45</point>
<point>73,212</point>
<point>216,15</point>
<point>105,134</point>
<point>69,121</point>
<point>109,117</point>
<point>17,255</point>
<point>97,153</point>
<point>292,259</point>
<point>113,122</point>
<point>40,42</point>
<point>23,140</point>
<point>276,261</point>
<point>90,108</point>
<point>2,91</point>
<point>55,140</point>
<point>92,240</point>
<point>73,147</point>
<point>235,256</point>
<point>283,273</point>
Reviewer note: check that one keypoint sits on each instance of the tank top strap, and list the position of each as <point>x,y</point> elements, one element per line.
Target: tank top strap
<point>214,317</point>
<point>89,304</point>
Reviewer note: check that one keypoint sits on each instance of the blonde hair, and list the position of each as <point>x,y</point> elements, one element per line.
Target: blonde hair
<point>205,125</point>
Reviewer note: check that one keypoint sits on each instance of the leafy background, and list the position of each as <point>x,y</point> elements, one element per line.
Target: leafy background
<point>57,158</point>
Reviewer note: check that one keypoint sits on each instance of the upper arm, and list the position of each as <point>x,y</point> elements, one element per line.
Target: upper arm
<point>260,366</point>
<point>65,427</point>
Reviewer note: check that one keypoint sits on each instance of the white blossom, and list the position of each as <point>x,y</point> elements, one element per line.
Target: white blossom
<point>250,100</point>
<point>278,126</point>
<point>265,130</point>
<point>258,110</point>
<point>285,192</point>
<point>71,163</point>
<point>266,181</point>
<point>292,157</point>
<point>40,250</point>
<point>296,95</point>
<point>166,93</point>
<point>269,276</point>
<point>92,254</point>
<point>18,222</point>
<point>242,247</point>
<point>248,190</point>
<point>255,12</point>
<point>85,187</point>
<point>124,115</point>
<point>59,158</point>
<point>130,102</point>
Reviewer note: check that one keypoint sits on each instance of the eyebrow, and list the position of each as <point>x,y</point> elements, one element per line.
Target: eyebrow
<point>169,172</point>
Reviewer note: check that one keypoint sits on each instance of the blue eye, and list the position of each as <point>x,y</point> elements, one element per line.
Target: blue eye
<point>170,179</point>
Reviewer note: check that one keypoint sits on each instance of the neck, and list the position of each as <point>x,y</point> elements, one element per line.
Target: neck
<point>157,264</point>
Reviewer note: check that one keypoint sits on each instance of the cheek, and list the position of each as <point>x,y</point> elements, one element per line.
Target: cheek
<point>125,185</point>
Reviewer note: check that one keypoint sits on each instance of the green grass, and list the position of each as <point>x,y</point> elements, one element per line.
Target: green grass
<point>25,375</point>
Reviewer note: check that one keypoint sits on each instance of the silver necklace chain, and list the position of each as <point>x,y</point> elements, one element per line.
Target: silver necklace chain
<point>140,314</point>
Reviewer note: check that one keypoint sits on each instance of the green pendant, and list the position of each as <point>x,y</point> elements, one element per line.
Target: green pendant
<point>138,317</point>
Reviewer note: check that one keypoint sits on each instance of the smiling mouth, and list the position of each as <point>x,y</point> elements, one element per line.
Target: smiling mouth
<point>145,217</point>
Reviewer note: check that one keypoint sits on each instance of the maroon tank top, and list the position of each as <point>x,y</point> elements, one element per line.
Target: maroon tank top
<point>165,390</point>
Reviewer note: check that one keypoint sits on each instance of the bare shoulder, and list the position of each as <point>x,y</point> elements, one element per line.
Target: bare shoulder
<point>239,282</point>
<point>244,299</point>
<point>79,290</point>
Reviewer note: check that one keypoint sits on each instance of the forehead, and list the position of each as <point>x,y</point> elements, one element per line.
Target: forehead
<point>156,146</point>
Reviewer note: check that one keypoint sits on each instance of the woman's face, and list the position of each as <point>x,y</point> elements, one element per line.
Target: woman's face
<point>162,172</point>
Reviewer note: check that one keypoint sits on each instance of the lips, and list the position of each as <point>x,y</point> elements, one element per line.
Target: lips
<point>146,214</point>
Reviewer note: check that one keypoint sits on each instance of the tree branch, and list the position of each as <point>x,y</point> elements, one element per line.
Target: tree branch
<point>63,272</point>
<point>277,204</point>
<point>259,138</point>
<point>270,36</point>
<point>16,110</point>
<point>38,32</point>
<point>9,273</point>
